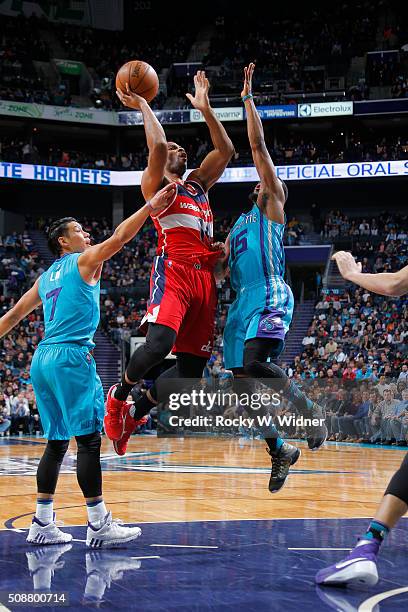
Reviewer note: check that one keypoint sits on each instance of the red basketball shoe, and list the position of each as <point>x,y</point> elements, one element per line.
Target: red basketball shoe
<point>129,426</point>
<point>113,420</point>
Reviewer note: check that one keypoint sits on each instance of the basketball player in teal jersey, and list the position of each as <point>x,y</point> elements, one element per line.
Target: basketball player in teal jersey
<point>68,390</point>
<point>360,566</point>
<point>260,316</point>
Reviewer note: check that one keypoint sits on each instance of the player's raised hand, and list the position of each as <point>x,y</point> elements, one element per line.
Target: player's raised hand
<point>248,72</point>
<point>346,264</point>
<point>162,199</point>
<point>130,99</point>
<point>200,100</point>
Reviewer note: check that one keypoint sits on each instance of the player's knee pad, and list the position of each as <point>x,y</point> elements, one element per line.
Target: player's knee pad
<point>160,340</point>
<point>89,464</point>
<point>49,466</point>
<point>398,485</point>
<point>256,369</point>
<point>190,366</point>
<point>56,450</point>
<point>89,444</point>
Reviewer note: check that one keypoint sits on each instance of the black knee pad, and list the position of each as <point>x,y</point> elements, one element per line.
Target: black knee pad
<point>49,466</point>
<point>89,465</point>
<point>398,485</point>
<point>160,340</point>
<point>256,369</point>
<point>56,449</point>
<point>90,443</point>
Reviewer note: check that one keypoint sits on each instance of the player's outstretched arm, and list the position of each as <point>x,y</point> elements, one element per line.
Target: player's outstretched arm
<point>384,283</point>
<point>272,196</point>
<point>214,164</point>
<point>26,304</point>
<point>94,256</point>
<point>153,176</point>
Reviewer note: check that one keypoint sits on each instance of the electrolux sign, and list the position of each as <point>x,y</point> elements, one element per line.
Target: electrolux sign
<point>325,109</point>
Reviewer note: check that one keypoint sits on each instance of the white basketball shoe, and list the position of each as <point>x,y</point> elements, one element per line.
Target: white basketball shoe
<point>110,533</point>
<point>41,534</point>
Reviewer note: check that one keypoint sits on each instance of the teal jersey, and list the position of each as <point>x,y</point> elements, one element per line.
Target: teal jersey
<point>71,306</point>
<point>257,256</point>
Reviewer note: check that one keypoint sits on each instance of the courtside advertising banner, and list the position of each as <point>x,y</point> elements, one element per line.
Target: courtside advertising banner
<point>235,113</point>
<point>285,111</point>
<point>325,109</point>
<point>113,178</point>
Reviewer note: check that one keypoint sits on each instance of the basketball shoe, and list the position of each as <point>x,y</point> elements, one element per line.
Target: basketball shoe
<point>359,567</point>
<point>129,425</point>
<point>41,534</point>
<point>113,420</point>
<point>316,434</point>
<point>110,533</point>
<point>281,463</point>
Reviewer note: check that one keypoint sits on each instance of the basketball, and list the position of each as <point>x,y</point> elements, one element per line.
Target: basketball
<point>141,77</point>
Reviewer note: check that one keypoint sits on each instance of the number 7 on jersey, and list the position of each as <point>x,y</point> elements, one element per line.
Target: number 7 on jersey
<point>54,295</point>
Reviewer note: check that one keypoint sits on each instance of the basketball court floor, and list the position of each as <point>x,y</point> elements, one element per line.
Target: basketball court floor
<point>213,537</point>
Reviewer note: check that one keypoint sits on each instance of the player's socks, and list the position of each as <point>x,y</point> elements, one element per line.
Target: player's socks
<point>375,531</point>
<point>122,390</point>
<point>45,510</point>
<point>298,398</point>
<point>274,444</point>
<point>96,512</point>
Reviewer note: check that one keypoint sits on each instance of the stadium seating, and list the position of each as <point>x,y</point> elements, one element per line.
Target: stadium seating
<point>309,59</point>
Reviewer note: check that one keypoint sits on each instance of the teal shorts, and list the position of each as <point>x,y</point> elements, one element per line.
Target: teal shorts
<point>249,317</point>
<point>68,391</point>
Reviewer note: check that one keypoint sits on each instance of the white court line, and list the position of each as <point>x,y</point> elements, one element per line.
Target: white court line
<point>151,557</point>
<point>370,604</point>
<point>76,540</point>
<point>181,546</point>
<point>320,549</point>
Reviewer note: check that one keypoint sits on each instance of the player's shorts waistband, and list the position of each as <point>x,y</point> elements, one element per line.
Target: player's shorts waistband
<point>263,283</point>
<point>191,263</point>
<point>66,345</point>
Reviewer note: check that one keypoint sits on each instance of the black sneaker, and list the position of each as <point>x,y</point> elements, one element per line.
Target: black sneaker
<point>316,434</point>
<point>281,462</point>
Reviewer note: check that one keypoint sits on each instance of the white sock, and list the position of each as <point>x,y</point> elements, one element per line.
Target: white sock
<point>45,510</point>
<point>96,512</point>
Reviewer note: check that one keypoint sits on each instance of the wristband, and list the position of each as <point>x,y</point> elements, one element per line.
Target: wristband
<point>247,97</point>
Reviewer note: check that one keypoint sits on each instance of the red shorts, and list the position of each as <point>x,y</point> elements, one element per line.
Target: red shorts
<point>183,297</point>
